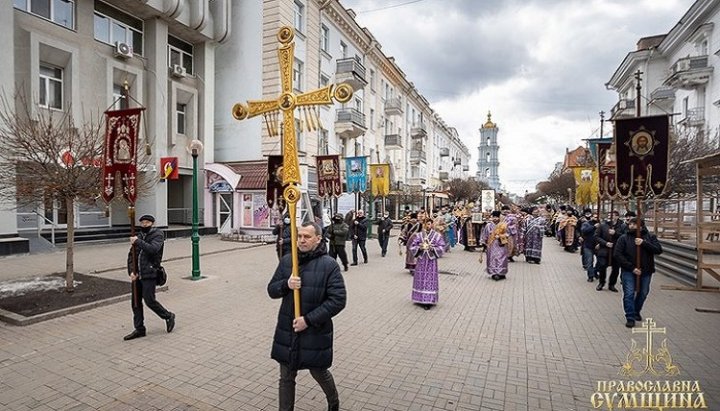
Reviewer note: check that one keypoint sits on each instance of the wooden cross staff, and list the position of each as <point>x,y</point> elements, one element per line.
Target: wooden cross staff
<point>287,102</point>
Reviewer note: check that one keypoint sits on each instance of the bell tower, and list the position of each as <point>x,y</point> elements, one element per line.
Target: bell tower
<point>488,161</point>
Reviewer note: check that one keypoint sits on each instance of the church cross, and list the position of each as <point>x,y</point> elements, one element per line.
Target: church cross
<point>648,328</point>
<point>286,102</point>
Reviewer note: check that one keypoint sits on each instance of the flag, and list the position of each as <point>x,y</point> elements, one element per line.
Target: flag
<point>120,156</point>
<point>586,182</point>
<point>380,179</point>
<point>356,174</point>
<point>641,146</point>
<point>274,186</point>
<point>606,167</point>
<point>328,172</point>
<point>169,168</point>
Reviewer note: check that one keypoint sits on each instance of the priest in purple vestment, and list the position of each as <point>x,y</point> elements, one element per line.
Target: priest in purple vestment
<point>497,242</point>
<point>427,246</point>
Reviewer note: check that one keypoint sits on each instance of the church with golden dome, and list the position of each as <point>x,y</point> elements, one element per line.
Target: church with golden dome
<point>488,161</point>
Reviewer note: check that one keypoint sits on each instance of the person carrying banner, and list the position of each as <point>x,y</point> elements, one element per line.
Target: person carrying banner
<point>607,235</point>
<point>496,242</point>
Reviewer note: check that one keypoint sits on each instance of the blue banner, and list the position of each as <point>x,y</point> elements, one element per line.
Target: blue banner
<point>356,174</point>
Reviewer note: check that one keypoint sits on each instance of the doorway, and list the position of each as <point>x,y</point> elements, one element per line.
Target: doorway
<point>224,212</point>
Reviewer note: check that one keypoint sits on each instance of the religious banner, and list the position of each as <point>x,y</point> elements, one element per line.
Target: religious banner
<point>587,185</point>
<point>487,200</point>
<point>606,167</point>
<point>380,179</point>
<point>120,155</point>
<point>169,169</point>
<point>328,175</point>
<point>355,174</point>
<point>274,186</point>
<point>641,148</point>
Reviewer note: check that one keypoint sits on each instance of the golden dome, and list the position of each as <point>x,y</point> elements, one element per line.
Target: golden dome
<point>489,123</point>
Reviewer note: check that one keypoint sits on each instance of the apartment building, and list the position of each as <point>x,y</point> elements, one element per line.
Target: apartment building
<point>78,54</point>
<point>677,74</point>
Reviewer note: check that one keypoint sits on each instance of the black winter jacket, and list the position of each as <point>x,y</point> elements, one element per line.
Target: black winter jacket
<point>384,226</point>
<point>338,233</point>
<point>359,229</point>
<point>625,251</point>
<point>149,250</point>
<point>603,236</point>
<point>322,296</point>
<point>587,230</point>
<point>286,238</point>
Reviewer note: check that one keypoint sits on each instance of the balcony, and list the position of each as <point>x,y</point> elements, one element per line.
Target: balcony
<point>417,156</point>
<point>457,162</point>
<point>443,175</point>
<point>393,107</point>
<point>623,108</point>
<point>695,117</point>
<point>663,93</point>
<point>349,123</point>
<point>466,168</point>
<point>444,152</point>
<point>351,71</point>
<point>418,130</point>
<point>393,141</point>
<point>689,73</point>
<point>416,181</point>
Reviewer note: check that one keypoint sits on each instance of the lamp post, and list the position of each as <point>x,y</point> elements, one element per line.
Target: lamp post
<point>194,148</point>
<point>569,196</point>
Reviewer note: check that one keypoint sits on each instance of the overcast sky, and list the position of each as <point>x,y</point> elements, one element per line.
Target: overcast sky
<point>540,66</point>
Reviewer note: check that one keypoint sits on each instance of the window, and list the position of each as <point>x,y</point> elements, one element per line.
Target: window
<point>487,157</point>
<point>299,136</point>
<point>120,102</point>
<point>323,147</point>
<point>372,80</point>
<point>487,173</point>
<point>343,49</point>
<point>61,12</point>
<point>298,75</point>
<point>113,26</point>
<point>372,119</point>
<point>180,53</point>
<point>685,107</point>
<point>488,141</point>
<point>324,38</point>
<point>299,16</point>
<point>358,105</point>
<point>324,80</point>
<point>51,87</point>
<point>181,112</point>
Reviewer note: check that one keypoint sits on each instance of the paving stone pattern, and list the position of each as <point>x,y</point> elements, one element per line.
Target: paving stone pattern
<point>537,341</point>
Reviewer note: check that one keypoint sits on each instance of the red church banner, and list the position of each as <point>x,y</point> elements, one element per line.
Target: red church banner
<point>120,157</point>
<point>328,172</point>
<point>169,168</point>
<point>641,148</point>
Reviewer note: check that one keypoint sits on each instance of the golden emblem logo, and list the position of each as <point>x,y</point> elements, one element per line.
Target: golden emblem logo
<point>640,393</point>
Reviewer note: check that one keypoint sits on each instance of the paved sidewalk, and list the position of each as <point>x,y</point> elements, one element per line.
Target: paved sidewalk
<point>538,341</point>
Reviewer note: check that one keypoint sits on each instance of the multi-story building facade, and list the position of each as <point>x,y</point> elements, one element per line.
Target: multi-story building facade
<point>677,74</point>
<point>387,120</point>
<point>77,55</point>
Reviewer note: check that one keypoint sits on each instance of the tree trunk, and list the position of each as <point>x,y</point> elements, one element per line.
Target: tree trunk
<point>69,250</point>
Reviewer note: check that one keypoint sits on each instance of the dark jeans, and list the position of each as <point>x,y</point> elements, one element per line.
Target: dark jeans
<point>144,290</point>
<point>383,240</point>
<point>587,261</point>
<point>355,244</point>
<point>601,268</point>
<point>632,303</point>
<point>339,250</point>
<point>287,387</point>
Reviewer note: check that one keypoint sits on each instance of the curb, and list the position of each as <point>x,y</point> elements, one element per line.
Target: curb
<point>21,320</point>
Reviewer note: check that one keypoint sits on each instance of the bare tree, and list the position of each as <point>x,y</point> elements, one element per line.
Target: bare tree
<point>52,157</point>
<point>687,144</point>
<point>557,186</point>
<point>465,190</point>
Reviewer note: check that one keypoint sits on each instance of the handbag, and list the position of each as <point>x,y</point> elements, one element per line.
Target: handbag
<point>160,276</point>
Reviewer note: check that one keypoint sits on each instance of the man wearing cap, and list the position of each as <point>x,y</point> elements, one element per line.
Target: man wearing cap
<point>148,248</point>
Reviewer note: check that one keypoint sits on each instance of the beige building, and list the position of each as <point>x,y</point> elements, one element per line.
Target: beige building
<point>78,54</point>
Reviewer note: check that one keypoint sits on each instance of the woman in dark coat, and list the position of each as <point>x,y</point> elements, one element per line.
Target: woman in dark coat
<point>307,342</point>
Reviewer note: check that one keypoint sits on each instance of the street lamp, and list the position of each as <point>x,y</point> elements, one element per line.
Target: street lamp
<point>569,196</point>
<point>194,148</point>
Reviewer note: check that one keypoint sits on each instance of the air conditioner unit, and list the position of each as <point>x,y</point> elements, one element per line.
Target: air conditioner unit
<point>123,50</point>
<point>682,65</point>
<point>178,71</point>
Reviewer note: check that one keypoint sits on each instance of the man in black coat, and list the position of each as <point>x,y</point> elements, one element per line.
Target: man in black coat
<point>384,227</point>
<point>148,247</point>
<point>606,236</point>
<point>283,243</point>
<point>358,232</point>
<point>306,342</point>
<point>625,254</point>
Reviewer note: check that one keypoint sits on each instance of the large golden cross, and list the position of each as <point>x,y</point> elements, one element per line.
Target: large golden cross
<point>286,102</point>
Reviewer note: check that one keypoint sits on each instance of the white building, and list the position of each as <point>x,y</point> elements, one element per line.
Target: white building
<point>678,74</point>
<point>79,53</point>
